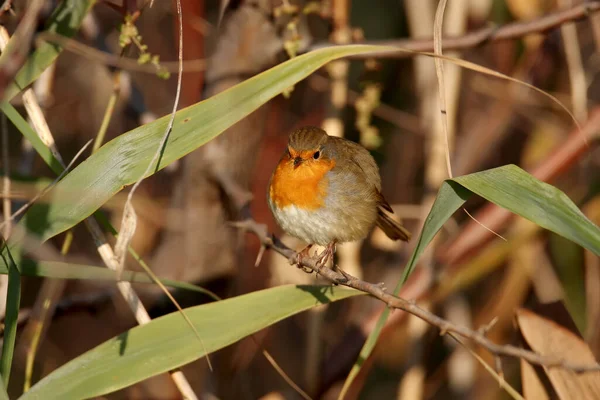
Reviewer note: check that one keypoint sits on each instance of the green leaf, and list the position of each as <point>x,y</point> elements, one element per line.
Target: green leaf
<point>509,187</point>
<point>514,189</point>
<point>3,392</point>
<point>123,160</point>
<point>168,342</point>
<point>62,270</point>
<point>13,299</point>
<point>65,20</point>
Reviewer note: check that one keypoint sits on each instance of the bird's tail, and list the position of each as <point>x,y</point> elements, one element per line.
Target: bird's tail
<point>392,229</point>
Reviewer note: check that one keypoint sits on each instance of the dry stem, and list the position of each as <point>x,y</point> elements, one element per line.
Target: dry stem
<point>340,277</point>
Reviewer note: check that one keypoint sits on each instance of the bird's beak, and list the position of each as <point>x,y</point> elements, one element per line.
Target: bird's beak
<point>297,162</point>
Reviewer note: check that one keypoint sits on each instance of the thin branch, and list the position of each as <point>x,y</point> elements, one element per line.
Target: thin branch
<point>340,277</point>
<point>577,78</point>
<point>406,121</point>
<point>114,60</point>
<point>488,34</point>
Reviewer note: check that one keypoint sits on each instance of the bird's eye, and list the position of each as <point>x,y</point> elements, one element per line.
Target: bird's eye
<point>317,155</point>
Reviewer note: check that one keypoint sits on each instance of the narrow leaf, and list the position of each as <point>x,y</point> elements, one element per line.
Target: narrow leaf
<point>167,342</point>
<point>13,298</point>
<point>449,199</point>
<point>514,189</point>
<point>122,161</point>
<point>509,187</point>
<point>3,392</point>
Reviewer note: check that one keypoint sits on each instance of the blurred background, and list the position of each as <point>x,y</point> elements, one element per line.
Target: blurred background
<point>390,105</point>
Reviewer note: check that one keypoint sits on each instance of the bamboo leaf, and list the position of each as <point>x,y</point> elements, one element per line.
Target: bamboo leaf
<point>121,161</point>
<point>168,342</point>
<point>13,299</point>
<point>509,187</point>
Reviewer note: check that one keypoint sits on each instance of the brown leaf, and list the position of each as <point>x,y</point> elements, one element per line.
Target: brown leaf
<point>550,339</point>
<point>533,388</point>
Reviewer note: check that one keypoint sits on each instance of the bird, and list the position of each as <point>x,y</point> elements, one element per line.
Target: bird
<point>326,190</point>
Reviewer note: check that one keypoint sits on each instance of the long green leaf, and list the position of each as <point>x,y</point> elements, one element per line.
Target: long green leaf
<point>514,189</point>
<point>123,160</point>
<point>13,299</point>
<point>509,187</point>
<point>168,342</point>
<point>3,392</point>
<point>65,20</point>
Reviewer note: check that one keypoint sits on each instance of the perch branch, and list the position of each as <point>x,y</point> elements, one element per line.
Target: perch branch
<point>340,277</point>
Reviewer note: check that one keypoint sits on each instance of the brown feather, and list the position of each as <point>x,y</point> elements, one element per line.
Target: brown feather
<point>392,229</point>
<point>383,202</point>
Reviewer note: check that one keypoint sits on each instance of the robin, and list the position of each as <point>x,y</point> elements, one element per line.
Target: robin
<point>327,190</point>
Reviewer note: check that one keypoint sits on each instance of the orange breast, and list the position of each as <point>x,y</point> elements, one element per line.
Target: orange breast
<point>304,187</point>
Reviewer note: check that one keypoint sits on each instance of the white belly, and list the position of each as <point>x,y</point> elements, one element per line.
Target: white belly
<point>319,227</point>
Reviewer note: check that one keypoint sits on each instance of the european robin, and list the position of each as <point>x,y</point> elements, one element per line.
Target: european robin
<point>327,190</point>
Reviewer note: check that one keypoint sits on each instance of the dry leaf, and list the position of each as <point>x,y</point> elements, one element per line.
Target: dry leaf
<point>548,338</point>
<point>533,388</point>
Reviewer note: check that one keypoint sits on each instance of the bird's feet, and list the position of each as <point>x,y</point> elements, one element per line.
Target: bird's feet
<point>320,260</point>
<point>324,257</point>
<point>300,257</point>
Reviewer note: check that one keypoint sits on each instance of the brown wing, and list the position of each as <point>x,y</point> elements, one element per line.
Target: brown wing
<point>394,230</point>
<point>383,202</point>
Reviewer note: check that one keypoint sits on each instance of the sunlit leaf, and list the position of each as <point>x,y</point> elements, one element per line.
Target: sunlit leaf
<point>168,342</point>
<point>509,187</point>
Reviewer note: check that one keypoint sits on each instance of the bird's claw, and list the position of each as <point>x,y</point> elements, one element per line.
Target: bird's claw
<point>298,259</point>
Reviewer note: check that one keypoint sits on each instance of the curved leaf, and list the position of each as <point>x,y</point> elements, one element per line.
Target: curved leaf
<point>512,188</point>
<point>168,342</point>
<point>123,160</point>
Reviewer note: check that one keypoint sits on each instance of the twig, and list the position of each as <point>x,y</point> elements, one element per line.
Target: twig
<point>513,30</point>
<point>109,111</point>
<point>340,277</point>
<point>34,111</point>
<point>496,374</point>
<point>114,60</point>
<point>402,119</point>
<point>575,67</point>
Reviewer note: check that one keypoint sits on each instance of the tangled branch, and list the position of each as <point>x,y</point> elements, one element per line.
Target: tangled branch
<point>340,277</point>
